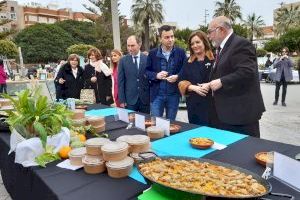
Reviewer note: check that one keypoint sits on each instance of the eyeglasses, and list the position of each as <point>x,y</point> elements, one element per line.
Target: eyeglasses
<point>209,31</point>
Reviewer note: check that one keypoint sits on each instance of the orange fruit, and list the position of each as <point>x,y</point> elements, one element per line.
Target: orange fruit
<point>81,137</point>
<point>64,152</point>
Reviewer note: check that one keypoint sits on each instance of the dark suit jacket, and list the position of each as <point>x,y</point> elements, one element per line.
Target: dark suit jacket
<point>239,101</point>
<point>133,83</point>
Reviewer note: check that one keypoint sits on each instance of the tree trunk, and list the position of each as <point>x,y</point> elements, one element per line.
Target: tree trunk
<point>147,29</point>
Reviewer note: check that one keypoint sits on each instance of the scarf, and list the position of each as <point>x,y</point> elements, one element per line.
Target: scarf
<point>101,67</point>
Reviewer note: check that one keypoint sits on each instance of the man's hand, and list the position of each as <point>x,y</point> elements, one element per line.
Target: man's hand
<point>61,81</point>
<point>162,75</point>
<point>94,79</point>
<point>172,78</point>
<point>122,105</point>
<point>215,84</point>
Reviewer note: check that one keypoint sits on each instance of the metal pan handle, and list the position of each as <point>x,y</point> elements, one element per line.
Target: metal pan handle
<point>147,152</point>
<point>291,197</point>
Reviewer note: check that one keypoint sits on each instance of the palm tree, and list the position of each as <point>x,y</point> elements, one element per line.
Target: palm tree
<point>287,17</point>
<point>254,25</point>
<point>229,9</point>
<point>144,13</point>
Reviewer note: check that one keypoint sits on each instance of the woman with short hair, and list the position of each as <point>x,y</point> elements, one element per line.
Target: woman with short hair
<point>70,79</point>
<point>97,76</point>
<point>284,74</point>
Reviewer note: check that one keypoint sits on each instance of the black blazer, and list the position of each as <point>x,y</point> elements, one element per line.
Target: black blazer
<point>239,101</point>
<point>133,83</point>
<point>72,86</point>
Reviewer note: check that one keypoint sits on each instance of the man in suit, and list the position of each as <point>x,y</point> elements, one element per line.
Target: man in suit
<point>163,66</point>
<point>237,100</point>
<point>133,84</point>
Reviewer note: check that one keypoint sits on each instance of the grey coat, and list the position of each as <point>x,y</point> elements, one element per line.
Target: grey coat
<point>286,66</point>
<point>133,83</point>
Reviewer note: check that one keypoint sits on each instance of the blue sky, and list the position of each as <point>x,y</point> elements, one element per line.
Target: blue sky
<point>187,13</point>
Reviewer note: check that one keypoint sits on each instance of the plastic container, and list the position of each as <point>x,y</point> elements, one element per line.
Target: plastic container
<point>76,155</point>
<point>119,169</point>
<point>78,114</point>
<point>155,132</point>
<point>137,158</point>
<point>93,164</point>
<point>115,151</point>
<point>93,145</point>
<point>79,122</point>
<point>96,121</point>
<point>138,143</point>
<point>100,128</point>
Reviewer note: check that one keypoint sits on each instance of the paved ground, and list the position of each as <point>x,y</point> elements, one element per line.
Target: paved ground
<point>278,123</point>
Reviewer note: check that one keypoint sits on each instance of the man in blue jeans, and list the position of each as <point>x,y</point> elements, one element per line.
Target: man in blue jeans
<point>163,66</point>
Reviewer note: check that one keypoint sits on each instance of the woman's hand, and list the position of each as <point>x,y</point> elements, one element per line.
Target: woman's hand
<point>61,81</point>
<point>94,79</point>
<point>202,91</point>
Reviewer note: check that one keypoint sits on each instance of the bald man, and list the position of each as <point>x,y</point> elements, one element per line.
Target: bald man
<point>237,101</point>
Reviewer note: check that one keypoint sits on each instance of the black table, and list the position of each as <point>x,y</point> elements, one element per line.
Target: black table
<point>55,183</point>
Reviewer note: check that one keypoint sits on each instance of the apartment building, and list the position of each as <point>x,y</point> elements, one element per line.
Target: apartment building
<point>32,13</point>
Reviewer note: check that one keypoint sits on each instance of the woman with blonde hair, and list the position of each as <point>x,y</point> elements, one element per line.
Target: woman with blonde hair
<point>195,71</point>
<point>115,57</point>
<point>69,79</point>
<point>97,75</point>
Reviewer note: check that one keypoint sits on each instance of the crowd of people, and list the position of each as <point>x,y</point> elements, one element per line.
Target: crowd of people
<point>222,89</point>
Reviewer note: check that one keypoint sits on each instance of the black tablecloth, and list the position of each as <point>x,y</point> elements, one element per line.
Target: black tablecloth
<point>55,183</point>
<point>242,154</point>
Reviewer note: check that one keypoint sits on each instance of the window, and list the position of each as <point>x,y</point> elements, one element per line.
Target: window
<point>12,9</point>
<point>13,16</point>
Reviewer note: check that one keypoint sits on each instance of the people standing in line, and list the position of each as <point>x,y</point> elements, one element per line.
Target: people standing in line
<point>115,57</point>
<point>195,71</point>
<point>164,64</point>
<point>132,82</point>
<point>237,103</point>
<point>3,77</point>
<point>97,76</point>
<point>284,73</point>
<point>70,78</point>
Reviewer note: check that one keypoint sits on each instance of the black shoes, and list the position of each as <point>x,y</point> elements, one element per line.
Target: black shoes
<point>275,103</point>
<point>283,104</point>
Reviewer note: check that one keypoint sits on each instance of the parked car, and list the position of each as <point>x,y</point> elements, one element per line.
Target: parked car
<point>269,75</point>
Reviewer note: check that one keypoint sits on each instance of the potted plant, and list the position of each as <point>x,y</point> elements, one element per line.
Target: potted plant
<point>33,116</point>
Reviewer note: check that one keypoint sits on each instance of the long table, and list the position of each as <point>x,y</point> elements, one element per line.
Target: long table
<point>55,183</point>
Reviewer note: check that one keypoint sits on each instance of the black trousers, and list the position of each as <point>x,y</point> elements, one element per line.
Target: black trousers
<point>139,107</point>
<point>3,88</point>
<point>284,87</point>
<point>247,129</point>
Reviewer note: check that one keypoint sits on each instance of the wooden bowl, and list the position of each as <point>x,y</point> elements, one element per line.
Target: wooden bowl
<point>201,143</point>
<point>262,158</point>
<point>174,128</point>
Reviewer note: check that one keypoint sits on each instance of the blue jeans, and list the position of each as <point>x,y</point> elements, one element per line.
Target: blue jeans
<point>170,103</point>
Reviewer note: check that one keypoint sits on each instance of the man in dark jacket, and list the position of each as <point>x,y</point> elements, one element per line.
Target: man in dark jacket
<point>237,99</point>
<point>163,66</point>
<point>133,85</point>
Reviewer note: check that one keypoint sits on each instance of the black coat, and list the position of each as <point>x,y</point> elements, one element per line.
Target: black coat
<point>102,87</point>
<point>239,101</point>
<point>197,106</point>
<point>72,86</point>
